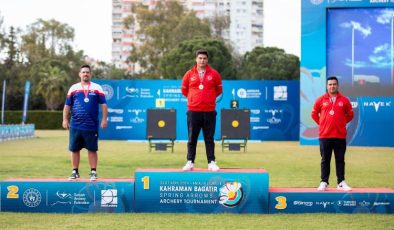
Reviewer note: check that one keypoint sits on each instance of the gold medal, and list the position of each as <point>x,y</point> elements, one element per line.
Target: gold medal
<point>201,86</point>
<point>331,112</point>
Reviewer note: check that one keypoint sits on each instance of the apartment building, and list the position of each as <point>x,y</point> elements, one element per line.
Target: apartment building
<point>244,33</point>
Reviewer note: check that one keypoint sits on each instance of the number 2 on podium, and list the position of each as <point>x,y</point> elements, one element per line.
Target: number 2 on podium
<point>145,181</point>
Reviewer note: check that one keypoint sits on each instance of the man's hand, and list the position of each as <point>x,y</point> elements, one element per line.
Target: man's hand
<point>104,123</point>
<point>66,124</point>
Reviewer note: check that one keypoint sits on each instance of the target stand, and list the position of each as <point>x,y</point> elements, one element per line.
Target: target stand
<point>161,129</point>
<point>235,129</point>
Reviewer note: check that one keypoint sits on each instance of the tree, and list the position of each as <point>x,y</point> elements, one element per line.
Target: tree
<point>219,24</point>
<point>180,59</point>
<point>52,87</point>
<point>161,29</point>
<point>47,39</point>
<point>270,63</point>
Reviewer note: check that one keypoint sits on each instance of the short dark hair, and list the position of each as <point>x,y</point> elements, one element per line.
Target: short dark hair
<point>85,66</point>
<point>332,78</point>
<point>202,51</point>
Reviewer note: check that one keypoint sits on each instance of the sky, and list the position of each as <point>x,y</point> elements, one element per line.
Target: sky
<point>91,20</point>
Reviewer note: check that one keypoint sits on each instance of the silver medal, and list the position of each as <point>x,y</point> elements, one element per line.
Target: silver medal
<point>86,100</point>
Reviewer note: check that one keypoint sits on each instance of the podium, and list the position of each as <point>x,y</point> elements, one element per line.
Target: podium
<point>235,129</point>
<point>161,129</point>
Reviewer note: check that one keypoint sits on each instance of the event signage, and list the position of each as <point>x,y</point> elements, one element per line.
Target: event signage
<point>201,191</point>
<point>55,195</point>
<point>309,200</point>
<point>274,107</point>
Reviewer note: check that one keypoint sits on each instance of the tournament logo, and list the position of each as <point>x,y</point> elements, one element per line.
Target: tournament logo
<point>231,194</point>
<point>109,198</point>
<point>32,197</point>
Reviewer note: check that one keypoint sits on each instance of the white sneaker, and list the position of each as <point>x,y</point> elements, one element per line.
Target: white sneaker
<point>213,166</point>
<point>343,186</point>
<point>323,186</point>
<point>188,166</point>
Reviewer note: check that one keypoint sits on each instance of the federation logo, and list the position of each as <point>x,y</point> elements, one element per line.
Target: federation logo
<point>32,197</point>
<point>109,198</point>
<point>241,93</point>
<point>231,194</point>
<point>108,91</point>
<point>280,93</point>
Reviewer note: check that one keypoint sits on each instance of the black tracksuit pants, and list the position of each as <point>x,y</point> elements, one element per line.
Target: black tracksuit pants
<point>327,146</point>
<point>195,122</point>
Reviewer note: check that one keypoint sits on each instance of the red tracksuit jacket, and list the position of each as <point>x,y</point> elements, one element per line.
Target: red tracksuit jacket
<point>332,126</point>
<point>203,100</point>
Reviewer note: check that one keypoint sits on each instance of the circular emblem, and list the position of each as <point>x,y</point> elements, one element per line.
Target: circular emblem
<point>241,93</point>
<point>231,194</point>
<point>161,123</point>
<point>235,123</point>
<point>108,91</point>
<point>32,197</point>
<point>316,2</point>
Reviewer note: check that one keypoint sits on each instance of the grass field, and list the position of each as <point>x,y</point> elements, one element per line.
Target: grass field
<point>289,165</point>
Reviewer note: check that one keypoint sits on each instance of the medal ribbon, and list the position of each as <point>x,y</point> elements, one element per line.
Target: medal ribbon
<point>86,91</point>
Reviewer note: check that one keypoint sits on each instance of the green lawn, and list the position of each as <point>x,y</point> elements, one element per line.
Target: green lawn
<point>289,165</point>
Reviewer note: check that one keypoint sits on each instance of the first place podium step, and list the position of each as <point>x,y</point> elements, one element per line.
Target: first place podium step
<point>201,191</point>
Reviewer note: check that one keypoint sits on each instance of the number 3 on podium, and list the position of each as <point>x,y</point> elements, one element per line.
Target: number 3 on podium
<point>145,181</point>
<point>282,204</point>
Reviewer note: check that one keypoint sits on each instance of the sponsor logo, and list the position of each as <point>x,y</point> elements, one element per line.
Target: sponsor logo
<point>231,194</point>
<point>325,204</point>
<point>302,203</point>
<point>317,2</point>
<point>347,203</point>
<point>123,127</point>
<point>377,104</point>
<point>109,198</point>
<point>254,119</point>
<point>260,127</point>
<point>108,91</point>
<point>364,203</point>
<point>280,93</point>
<point>136,119</point>
<point>354,104</point>
<point>116,119</point>
<point>32,197</point>
<point>381,203</point>
<point>255,111</point>
<point>117,111</point>
<point>273,120</point>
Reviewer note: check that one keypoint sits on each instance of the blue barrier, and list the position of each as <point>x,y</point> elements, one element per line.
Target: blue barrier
<point>14,132</point>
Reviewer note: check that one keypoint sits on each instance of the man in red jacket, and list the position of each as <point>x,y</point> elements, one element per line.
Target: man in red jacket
<point>332,111</point>
<point>202,85</point>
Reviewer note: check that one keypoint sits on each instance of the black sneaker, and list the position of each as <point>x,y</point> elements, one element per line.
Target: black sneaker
<point>93,175</point>
<point>74,175</point>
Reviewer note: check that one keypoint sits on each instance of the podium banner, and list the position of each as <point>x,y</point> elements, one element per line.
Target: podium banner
<point>201,191</point>
<point>309,200</point>
<point>54,195</point>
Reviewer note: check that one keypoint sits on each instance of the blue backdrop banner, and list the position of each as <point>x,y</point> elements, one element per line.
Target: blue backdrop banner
<point>274,107</point>
<point>352,40</point>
